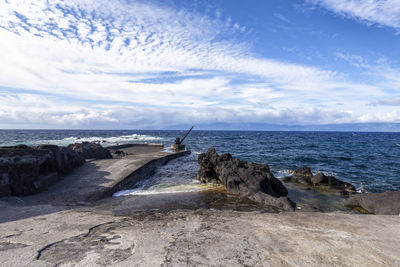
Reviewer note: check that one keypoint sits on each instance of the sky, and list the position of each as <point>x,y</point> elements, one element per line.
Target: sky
<point>111,64</point>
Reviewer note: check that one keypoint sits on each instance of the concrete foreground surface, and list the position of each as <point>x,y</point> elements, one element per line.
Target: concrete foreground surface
<point>76,223</point>
<point>202,237</point>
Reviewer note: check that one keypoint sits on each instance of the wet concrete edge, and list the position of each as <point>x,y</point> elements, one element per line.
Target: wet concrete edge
<point>139,174</point>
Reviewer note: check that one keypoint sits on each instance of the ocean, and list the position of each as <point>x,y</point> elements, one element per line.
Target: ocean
<point>370,161</point>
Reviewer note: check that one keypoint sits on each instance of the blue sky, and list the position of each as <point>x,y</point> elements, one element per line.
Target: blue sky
<point>158,64</point>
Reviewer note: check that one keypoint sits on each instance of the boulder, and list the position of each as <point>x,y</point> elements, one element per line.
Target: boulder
<point>252,180</point>
<point>387,203</point>
<point>304,176</point>
<point>303,171</point>
<point>65,158</point>
<point>27,170</point>
<point>117,154</point>
<point>91,150</point>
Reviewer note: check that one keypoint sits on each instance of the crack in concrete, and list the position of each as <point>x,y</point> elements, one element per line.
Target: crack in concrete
<point>19,232</point>
<point>39,253</point>
<point>8,245</point>
<point>98,239</point>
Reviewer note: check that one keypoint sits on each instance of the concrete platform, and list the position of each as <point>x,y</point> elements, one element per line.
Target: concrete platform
<point>94,180</point>
<point>202,237</point>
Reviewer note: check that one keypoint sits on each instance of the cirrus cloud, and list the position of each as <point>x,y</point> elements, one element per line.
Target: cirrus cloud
<point>372,12</point>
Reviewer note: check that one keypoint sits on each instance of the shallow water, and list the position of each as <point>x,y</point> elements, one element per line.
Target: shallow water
<point>178,180</point>
<point>179,175</point>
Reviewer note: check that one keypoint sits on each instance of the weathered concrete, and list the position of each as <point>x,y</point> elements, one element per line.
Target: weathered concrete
<point>100,178</point>
<point>386,203</point>
<point>201,238</point>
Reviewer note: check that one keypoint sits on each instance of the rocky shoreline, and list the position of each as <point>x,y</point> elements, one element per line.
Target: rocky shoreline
<point>256,182</point>
<point>320,181</point>
<point>248,179</point>
<point>247,221</point>
<point>28,170</point>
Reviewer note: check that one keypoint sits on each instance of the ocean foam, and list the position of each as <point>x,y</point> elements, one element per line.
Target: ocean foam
<point>282,173</point>
<point>173,189</point>
<point>178,176</point>
<point>105,141</point>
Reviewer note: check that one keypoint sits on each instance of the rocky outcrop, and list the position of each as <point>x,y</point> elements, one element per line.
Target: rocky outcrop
<point>91,150</point>
<point>252,180</point>
<point>304,176</point>
<point>387,203</point>
<point>65,159</point>
<point>27,170</point>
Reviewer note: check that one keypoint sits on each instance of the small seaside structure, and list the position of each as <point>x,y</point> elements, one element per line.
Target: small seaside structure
<point>177,146</point>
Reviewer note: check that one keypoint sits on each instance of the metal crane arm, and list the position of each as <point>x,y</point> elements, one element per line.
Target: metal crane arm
<point>186,134</point>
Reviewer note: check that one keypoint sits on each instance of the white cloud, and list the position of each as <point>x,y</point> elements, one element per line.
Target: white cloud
<point>140,59</point>
<point>391,116</point>
<point>386,76</point>
<point>355,60</point>
<point>49,112</point>
<point>377,12</point>
<point>45,111</point>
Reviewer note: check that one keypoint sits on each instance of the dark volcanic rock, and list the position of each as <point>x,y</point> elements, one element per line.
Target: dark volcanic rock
<point>304,176</point>
<point>91,150</point>
<point>65,158</point>
<point>117,154</point>
<point>245,178</point>
<point>303,171</point>
<point>208,163</point>
<point>387,203</point>
<point>26,170</point>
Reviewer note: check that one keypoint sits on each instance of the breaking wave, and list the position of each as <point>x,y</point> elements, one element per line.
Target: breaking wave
<point>105,141</point>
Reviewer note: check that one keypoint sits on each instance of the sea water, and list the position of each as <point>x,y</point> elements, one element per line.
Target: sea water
<point>370,161</point>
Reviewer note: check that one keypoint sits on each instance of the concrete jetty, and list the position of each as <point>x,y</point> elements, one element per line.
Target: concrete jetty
<point>95,180</point>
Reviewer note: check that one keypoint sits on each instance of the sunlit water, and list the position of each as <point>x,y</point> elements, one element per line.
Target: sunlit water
<point>368,160</point>
<point>179,175</point>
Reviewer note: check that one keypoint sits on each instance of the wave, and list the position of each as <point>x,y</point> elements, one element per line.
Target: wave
<point>288,172</point>
<point>280,174</point>
<point>105,141</point>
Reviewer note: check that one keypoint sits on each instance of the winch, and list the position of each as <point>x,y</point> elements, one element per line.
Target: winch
<point>178,142</point>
